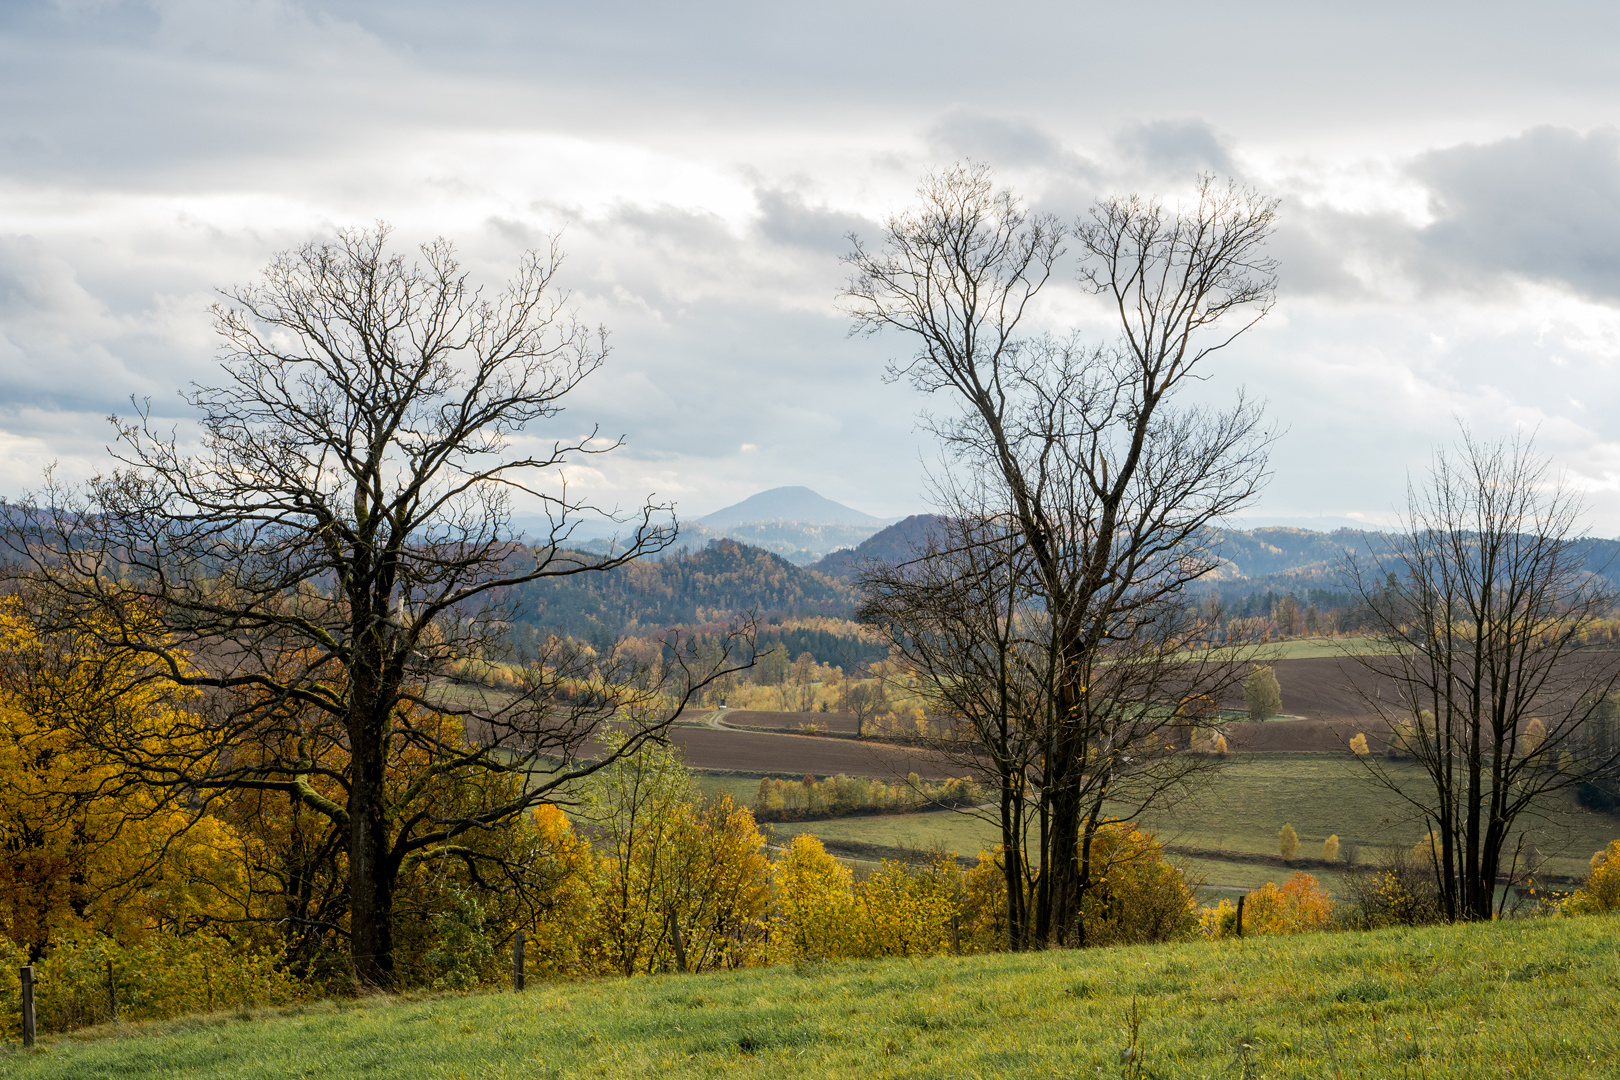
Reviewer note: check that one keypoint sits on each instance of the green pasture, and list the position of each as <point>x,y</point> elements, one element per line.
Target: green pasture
<point>1523,998</point>
<point>1241,811</point>
<point>1297,649</point>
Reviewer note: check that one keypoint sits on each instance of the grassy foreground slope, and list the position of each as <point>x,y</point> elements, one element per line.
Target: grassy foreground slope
<point>1536,998</point>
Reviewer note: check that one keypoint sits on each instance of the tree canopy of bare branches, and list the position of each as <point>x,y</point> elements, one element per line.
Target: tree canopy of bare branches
<point>1077,456</point>
<point>1484,607</point>
<point>340,536</point>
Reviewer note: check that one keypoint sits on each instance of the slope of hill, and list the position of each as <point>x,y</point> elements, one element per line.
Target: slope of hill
<point>1519,997</point>
<point>702,586</point>
<point>897,543</point>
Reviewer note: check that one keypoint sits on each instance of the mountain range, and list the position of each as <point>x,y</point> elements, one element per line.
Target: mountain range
<point>791,553</point>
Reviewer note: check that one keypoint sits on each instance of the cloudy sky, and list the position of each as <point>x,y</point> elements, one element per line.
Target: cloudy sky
<point>1449,176</point>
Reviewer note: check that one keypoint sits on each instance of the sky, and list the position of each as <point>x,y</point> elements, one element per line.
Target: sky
<point>1448,177</point>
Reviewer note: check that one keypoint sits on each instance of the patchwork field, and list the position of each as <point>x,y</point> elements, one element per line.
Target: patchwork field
<point>1239,812</point>
<point>1532,998</point>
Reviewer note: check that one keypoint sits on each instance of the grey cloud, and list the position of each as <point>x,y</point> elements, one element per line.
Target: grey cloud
<point>1544,205</point>
<point>1176,148</point>
<point>1000,140</point>
<point>785,218</point>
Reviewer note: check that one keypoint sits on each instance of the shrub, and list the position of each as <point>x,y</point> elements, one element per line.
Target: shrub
<point>905,910</point>
<point>1602,890</point>
<point>1297,906</point>
<point>1137,896</point>
<point>814,900</point>
<point>1219,921</point>
<point>984,903</point>
<point>1397,892</point>
<point>163,975</point>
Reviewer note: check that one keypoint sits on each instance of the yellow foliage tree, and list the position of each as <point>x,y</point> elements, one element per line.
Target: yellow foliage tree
<point>903,910</point>
<point>672,878</point>
<point>1137,896</point>
<point>1535,734</point>
<point>81,849</point>
<point>1330,848</point>
<point>814,901</point>
<point>1358,745</point>
<point>1287,842</point>
<point>559,921</point>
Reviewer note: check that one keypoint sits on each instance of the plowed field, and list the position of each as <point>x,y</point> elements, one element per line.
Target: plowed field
<point>796,755</point>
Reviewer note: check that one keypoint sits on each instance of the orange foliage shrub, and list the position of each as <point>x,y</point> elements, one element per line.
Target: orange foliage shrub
<point>1297,906</point>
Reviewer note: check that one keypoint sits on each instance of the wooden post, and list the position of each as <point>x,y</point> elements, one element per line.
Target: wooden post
<point>28,1004</point>
<point>518,941</point>
<point>112,990</point>
<point>1240,913</point>
<point>675,937</point>
<point>956,933</point>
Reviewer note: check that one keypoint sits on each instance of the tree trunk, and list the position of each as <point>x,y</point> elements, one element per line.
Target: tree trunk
<point>372,867</point>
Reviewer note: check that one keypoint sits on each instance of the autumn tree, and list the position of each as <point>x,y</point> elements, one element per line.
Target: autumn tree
<point>677,883</point>
<point>864,700</point>
<point>339,534</point>
<point>1490,681</point>
<point>81,849</point>
<point>1262,696</point>
<point>1086,455</point>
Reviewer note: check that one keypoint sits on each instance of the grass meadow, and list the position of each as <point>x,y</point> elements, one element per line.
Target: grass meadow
<point>1521,998</point>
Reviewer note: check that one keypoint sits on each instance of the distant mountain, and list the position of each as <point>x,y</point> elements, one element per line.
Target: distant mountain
<point>895,544</point>
<point>1311,523</point>
<point>795,504</point>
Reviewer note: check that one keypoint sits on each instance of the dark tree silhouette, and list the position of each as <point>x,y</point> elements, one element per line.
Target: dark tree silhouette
<point>1082,454</point>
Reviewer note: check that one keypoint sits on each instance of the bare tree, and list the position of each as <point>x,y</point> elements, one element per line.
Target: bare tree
<point>1107,486</point>
<point>1485,606</point>
<point>340,538</point>
<point>968,617</point>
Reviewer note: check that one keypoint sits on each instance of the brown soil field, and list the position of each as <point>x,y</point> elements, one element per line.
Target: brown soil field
<point>796,755</point>
<point>843,723</point>
<point>1274,736</point>
<point>1322,688</point>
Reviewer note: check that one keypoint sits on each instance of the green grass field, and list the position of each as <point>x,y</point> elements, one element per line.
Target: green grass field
<point>1240,811</point>
<point>1531,998</point>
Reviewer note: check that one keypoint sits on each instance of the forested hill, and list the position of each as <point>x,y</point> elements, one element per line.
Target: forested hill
<point>1290,560</point>
<point>704,586</point>
<point>897,543</point>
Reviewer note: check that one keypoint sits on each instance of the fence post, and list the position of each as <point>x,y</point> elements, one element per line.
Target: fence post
<point>28,1004</point>
<point>1240,913</point>
<point>517,959</point>
<point>112,990</point>
<point>956,933</point>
